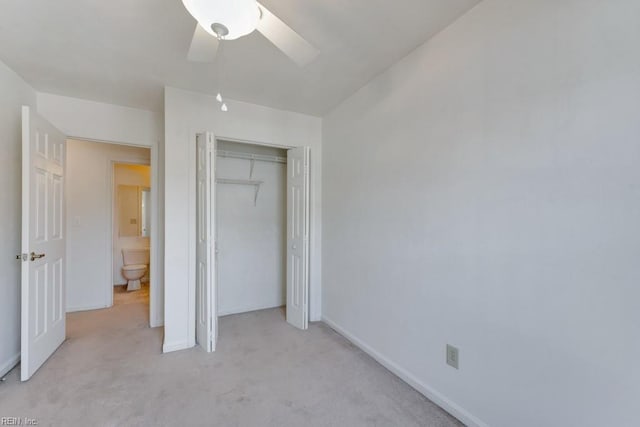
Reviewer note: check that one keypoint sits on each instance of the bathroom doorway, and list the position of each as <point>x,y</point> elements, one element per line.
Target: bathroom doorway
<point>101,177</point>
<point>131,232</point>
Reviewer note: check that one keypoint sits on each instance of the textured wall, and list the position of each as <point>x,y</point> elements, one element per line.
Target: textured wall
<point>484,192</point>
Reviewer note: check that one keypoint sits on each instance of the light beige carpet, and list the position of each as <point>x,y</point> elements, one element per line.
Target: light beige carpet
<point>110,372</point>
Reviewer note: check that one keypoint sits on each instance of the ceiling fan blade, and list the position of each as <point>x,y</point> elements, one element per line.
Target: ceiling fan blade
<point>203,46</point>
<point>285,39</point>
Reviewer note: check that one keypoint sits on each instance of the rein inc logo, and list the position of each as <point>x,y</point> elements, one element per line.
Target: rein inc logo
<point>18,421</point>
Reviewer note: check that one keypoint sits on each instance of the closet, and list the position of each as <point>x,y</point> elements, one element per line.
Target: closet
<point>251,220</point>
<point>252,232</point>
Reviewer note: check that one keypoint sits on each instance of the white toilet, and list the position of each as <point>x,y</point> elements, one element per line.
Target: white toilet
<point>135,266</point>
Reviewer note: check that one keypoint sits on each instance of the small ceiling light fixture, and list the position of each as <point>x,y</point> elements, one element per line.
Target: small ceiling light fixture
<point>226,19</point>
<point>224,107</point>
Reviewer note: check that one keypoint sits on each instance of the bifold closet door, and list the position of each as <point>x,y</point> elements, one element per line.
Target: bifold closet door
<point>206,312</point>
<point>298,237</point>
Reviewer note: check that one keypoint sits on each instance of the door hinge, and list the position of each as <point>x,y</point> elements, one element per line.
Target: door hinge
<point>22,257</point>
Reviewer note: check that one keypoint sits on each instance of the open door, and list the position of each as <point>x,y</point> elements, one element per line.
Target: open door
<point>206,309</point>
<point>298,237</point>
<point>43,242</point>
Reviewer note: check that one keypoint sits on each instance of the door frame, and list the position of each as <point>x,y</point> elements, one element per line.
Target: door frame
<point>156,289</point>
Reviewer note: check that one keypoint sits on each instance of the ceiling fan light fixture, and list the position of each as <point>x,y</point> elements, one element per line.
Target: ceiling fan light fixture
<point>239,17</point>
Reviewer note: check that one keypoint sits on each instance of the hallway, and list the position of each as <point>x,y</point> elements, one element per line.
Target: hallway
<point>110,372</point>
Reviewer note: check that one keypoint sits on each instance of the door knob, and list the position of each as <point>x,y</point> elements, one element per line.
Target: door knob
<point>294,246</point>
<point>35,256</point>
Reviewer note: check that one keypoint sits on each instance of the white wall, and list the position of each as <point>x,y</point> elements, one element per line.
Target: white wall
<point>14,94</point>
<point>127,174</point>
<point>89,228</point>
<point>484,192</point>
<point>251,238</point>
<point>98,121</point>
<point>187,113</point>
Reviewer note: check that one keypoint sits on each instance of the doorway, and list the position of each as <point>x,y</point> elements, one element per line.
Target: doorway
<point>104,185</point>
<point>131,237</point>
<point>66,262</point>
<point>252,232</point>
<point>251,215</point>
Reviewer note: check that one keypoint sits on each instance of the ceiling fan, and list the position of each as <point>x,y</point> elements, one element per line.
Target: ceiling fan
<point>231,19</point>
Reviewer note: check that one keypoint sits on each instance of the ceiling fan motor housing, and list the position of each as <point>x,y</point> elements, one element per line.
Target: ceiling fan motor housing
<point>236,18</point>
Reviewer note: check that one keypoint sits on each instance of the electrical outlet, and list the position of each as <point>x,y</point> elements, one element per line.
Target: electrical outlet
<point>452,356</point>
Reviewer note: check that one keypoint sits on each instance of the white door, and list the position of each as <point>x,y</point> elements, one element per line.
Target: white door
<point>298,237</point>
<point>206,309</point>
<point>43,242</point>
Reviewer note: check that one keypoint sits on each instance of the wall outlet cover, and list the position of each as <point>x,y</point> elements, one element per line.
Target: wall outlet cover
<point>453,357</point>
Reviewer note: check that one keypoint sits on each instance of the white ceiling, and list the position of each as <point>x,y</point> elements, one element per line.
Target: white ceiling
<point>125,51</point>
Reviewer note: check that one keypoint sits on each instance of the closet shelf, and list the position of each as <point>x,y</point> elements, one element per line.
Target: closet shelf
<point>243,182</point>
<point>238,181</point>
<point>249,156</point>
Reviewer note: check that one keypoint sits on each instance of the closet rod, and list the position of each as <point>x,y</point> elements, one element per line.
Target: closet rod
<point>238,181</point>
<point>248,156</point>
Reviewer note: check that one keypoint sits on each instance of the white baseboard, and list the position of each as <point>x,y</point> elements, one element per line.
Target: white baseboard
<point>428,391</point>
<point>9,364</point>
<point>246,309</point>
<point>168,347</point>
<point>155,323</point>
<point>86,308</point>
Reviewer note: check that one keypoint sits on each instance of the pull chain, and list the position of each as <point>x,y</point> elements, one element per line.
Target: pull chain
<point>219,71</point>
